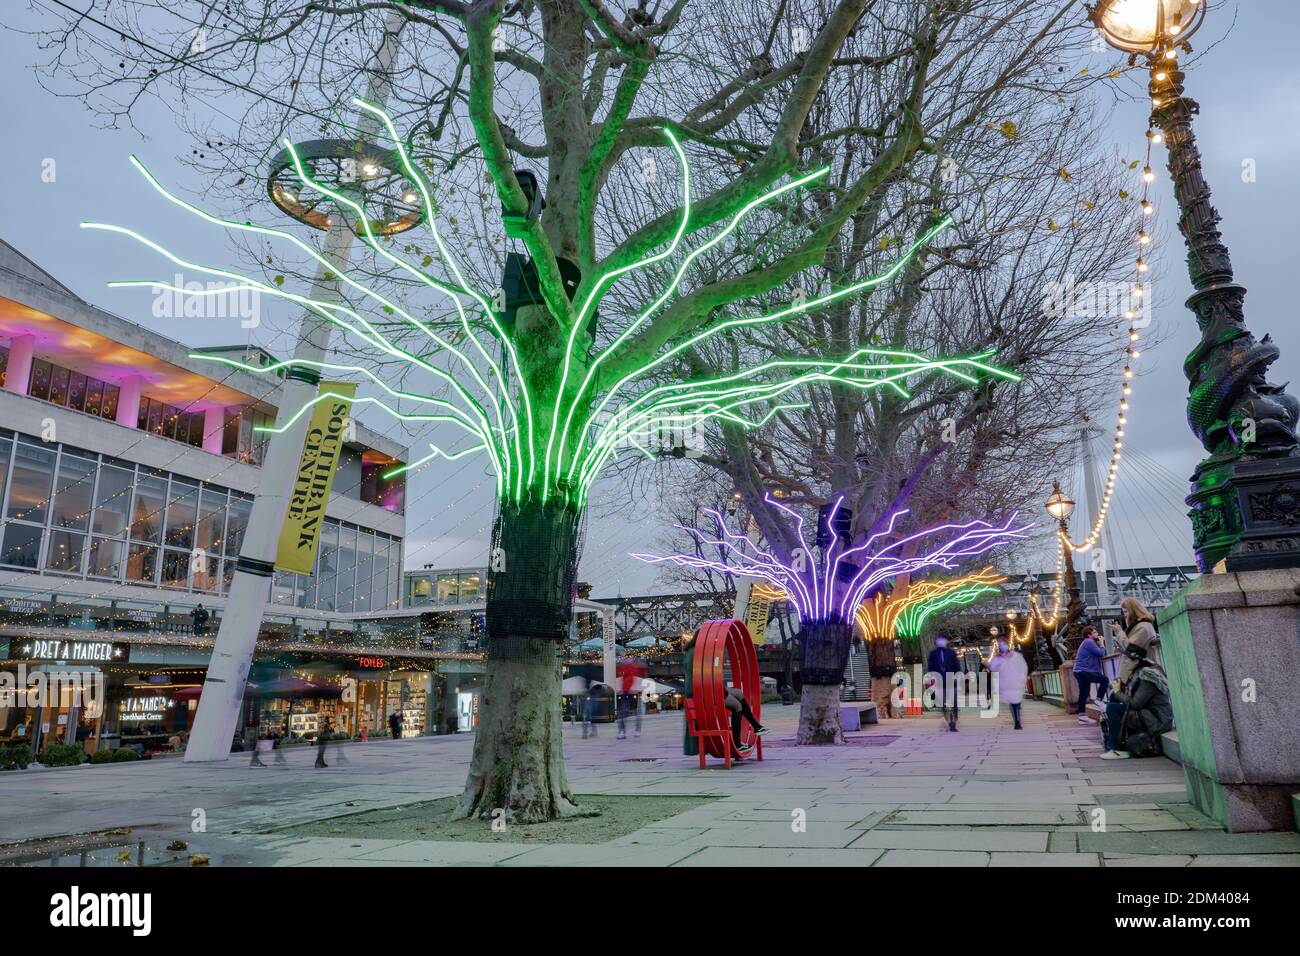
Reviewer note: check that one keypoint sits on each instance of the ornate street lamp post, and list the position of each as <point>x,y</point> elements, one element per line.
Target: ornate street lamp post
<point>1060,506</point>
<point>1245,498</point>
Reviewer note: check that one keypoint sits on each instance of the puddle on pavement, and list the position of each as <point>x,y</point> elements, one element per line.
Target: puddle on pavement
<point>100,851</point>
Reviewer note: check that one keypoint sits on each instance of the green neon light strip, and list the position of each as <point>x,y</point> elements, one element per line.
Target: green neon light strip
<point>418,178</point>
<point>436,453</point>
<point>508,435</point>
<point>587,304</point>
<point>654,306</point>
<point>325,309</point>
<point>719,327</point>
<point>913,618</point>
<point>820,371</point>
<point>343,200</point>
<point>316,305</point>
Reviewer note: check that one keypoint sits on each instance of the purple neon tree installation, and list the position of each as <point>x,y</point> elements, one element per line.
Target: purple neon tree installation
<point>825,591</point>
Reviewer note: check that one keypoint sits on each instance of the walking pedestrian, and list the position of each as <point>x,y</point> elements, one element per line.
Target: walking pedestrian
<point>946,670</point>
<point>1088,670</point>
<point>1139,713</point>
<point>735,702</point>
<point>589,711</point>
<point>1012,671</point>
<point>622,716</point>
<point>395,724</point>
<point>321,741</point>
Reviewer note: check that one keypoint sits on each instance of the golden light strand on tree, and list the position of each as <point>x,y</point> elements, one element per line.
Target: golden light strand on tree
<point>879,618</point>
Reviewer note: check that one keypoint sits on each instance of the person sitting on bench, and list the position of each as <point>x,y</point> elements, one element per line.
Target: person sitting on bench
<point>734,699</point>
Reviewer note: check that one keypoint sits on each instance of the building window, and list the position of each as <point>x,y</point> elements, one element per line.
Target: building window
<point>109,408</point>
<point>22,545</point>
<point>106,558</point>
<point>241,508</point>
<point>142,564</point>
<point>65,552</point>
<point>61,386</point>
<point>29,487</point>
<point>113,501</point>
<point>73,493</point>
<point>39,386</point>
<point>176,568</point>
<point>182,512</point>
<point>147,513</point>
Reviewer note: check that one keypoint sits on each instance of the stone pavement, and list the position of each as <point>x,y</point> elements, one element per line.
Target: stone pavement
<point>903,792</point>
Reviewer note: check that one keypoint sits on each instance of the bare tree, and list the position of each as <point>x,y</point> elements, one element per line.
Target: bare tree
<point>581,92</point>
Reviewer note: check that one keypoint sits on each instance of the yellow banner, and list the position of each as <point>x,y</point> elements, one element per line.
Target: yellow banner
<point>321,450</point>
<point>756,613</point>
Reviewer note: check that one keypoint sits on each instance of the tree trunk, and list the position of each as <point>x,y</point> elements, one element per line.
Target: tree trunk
<point>825,653</point>
<point>517,772</point>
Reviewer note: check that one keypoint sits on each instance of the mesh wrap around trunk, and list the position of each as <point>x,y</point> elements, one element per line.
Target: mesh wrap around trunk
<point>532,569</point>
<point>825,651</point>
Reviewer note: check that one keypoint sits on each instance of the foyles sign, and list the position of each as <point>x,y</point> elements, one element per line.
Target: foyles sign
<point>60,649</point>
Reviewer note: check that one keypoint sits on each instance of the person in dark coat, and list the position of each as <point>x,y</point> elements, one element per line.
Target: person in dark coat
<point>946,668</point>
<point>322,738</point>
<point>1140,711</point>
<point>395,724</point>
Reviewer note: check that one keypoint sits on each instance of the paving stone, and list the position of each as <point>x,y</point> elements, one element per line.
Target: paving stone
<point>750,857</point>
<point>1044,859</point>
<point>939,858</point>
<point>916,839</point>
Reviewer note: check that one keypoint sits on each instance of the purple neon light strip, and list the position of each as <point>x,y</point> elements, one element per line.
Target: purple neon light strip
<point>975,538</point>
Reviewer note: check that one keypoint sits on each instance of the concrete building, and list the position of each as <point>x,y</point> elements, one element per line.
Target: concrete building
<point>127,471</point>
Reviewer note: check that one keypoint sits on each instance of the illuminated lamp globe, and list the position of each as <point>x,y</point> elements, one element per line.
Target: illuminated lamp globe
<point>1060,506</point>
<point>1146,26</point>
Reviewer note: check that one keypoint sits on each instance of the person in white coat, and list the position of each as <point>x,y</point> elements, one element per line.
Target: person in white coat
<point>1012,671</point>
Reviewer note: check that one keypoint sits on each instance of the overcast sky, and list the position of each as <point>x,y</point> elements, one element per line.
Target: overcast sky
<point>1249,90</point>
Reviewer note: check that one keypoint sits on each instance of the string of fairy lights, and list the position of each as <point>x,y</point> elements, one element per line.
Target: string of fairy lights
<point>1140,289</point>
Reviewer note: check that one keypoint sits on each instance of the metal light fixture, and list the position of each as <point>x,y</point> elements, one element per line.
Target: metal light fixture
<point>1060,506</point>
<point>1237,524</point>
<point>1147,26</point>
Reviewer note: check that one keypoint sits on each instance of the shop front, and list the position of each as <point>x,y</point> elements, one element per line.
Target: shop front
<point>57,690</point>
<point>354,695</point>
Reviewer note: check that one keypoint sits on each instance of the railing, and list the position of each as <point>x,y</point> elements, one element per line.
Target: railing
<point>1047,685</point>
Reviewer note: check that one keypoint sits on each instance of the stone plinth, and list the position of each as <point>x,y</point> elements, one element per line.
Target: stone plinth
<point>1231,646</point>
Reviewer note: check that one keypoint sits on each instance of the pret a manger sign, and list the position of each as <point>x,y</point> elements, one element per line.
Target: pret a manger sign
<point>59,649</point>
<point>139,709</point>
<point>321,451</point>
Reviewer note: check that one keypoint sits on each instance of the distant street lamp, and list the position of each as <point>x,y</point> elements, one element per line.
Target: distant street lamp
<point>1245,502</point>
<point>1060,506</point>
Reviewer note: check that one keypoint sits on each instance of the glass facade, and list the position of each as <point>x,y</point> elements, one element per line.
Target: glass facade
<point>61,386</point>
<point>71,512</point>
<point>454,586</point>
<point>360,476</point>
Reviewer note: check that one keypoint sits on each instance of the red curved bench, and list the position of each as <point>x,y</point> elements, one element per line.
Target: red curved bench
<point>719,645</point>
